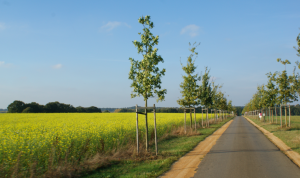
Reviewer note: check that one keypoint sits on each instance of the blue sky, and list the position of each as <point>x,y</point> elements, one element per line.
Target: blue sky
<point>77,52</point>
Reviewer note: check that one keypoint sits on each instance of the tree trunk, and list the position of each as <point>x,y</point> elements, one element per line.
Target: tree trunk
<point>280,116</point>
<point>191,118</point>
<point>276,114</point>
<point>285,117</point>
<point>269,115</point>
<point>195,119</point>
<point>207,118</point>
<point>202,117</point>
<point>146,121</point>
<point>185,121</point>
<point>289,116</point>
<point>272,117</point>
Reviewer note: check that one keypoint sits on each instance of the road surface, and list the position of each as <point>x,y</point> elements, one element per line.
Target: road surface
<point>244,152</point>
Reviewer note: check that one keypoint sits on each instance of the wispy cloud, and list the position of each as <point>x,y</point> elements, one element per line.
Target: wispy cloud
<point>192,30</point>
<point>2,26</point>
<point>3,64</point>
<point>112,25</point>
<point>57,66</point>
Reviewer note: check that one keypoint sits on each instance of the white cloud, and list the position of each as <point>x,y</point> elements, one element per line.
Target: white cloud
<point>127,25</point>
<point>2,26</point>
<point>57,66</point>
<point>3,64</point>
<point>192,30</point>
<point>112,25</point>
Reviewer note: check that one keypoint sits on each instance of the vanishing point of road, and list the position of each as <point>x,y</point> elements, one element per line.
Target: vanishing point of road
<point>245,152</point>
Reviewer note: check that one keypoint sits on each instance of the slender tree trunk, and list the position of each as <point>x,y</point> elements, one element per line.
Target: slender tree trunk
<point>269,115</point>
<point>272,116</point>
<point>285,117</point>
<point>280,116</point>
<point>207,118</point>
<point>185,121</point>
<point>276,114</point>
<point>146,121</point>
<point>202,117</point>
<point>289,116</point>
<point>195,119</point>
<point>191,119</point>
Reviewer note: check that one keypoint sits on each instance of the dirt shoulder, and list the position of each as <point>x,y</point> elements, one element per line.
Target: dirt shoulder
<point>186,166</point>
<point>294,156</point>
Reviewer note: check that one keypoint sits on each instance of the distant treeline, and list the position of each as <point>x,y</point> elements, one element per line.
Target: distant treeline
<point>160,110</point>
<point>51,107</point>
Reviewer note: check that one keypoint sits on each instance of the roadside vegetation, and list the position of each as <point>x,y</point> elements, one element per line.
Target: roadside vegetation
<point>172,147</point>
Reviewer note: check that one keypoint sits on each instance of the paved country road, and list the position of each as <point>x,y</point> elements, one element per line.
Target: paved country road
<point>244,152</point>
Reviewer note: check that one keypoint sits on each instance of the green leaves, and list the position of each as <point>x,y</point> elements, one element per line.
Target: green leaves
<point>189,87</point>
<point>145,75</point>
<point>205,90</point>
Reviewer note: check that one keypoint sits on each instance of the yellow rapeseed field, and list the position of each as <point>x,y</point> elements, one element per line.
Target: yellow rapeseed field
<point>33,136</point>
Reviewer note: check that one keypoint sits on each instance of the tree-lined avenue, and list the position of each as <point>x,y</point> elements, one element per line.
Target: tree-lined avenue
<point>244,151</point>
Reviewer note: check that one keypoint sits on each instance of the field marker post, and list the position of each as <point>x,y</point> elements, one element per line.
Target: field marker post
<point>156,149</point>
<point>137,130</point>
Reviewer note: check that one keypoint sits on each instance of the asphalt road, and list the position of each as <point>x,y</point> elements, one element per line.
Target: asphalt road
<point>244,152</point>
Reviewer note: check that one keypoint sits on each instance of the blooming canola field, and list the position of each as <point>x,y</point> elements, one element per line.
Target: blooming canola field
<point>33,136</point>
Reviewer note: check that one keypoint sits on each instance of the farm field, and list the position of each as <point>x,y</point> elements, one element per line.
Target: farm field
<point>289,135</point>
<point>43,140</point>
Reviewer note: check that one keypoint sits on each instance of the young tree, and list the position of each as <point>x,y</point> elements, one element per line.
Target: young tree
<point>230,107</point>
<point>215,89</point>
<point>145,75</point>
<point>287,94</point>
<point>272,92</point>
<point>189,85</point>
<point>205,94</point>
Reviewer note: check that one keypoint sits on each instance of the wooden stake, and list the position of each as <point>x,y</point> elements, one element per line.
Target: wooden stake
<point>137,130</point>
<point>202,117</point>
<point>289,115</point>
<point>156,149</point>
<point>195,119</point>
<point>207,120</point>
<point>184,121</point>
<point>280,117</point>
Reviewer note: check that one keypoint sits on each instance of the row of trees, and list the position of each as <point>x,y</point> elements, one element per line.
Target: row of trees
<point>146,77</point>
<point>164,110</point>
<point>280,90</point>
<point>199,89</point>
<point>51,107</point>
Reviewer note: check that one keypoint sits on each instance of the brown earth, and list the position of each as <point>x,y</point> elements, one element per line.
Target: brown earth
<point>186,166</point>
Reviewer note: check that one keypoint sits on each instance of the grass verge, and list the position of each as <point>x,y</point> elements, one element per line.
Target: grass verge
<point>289,135</point>
<point>170,150</point>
